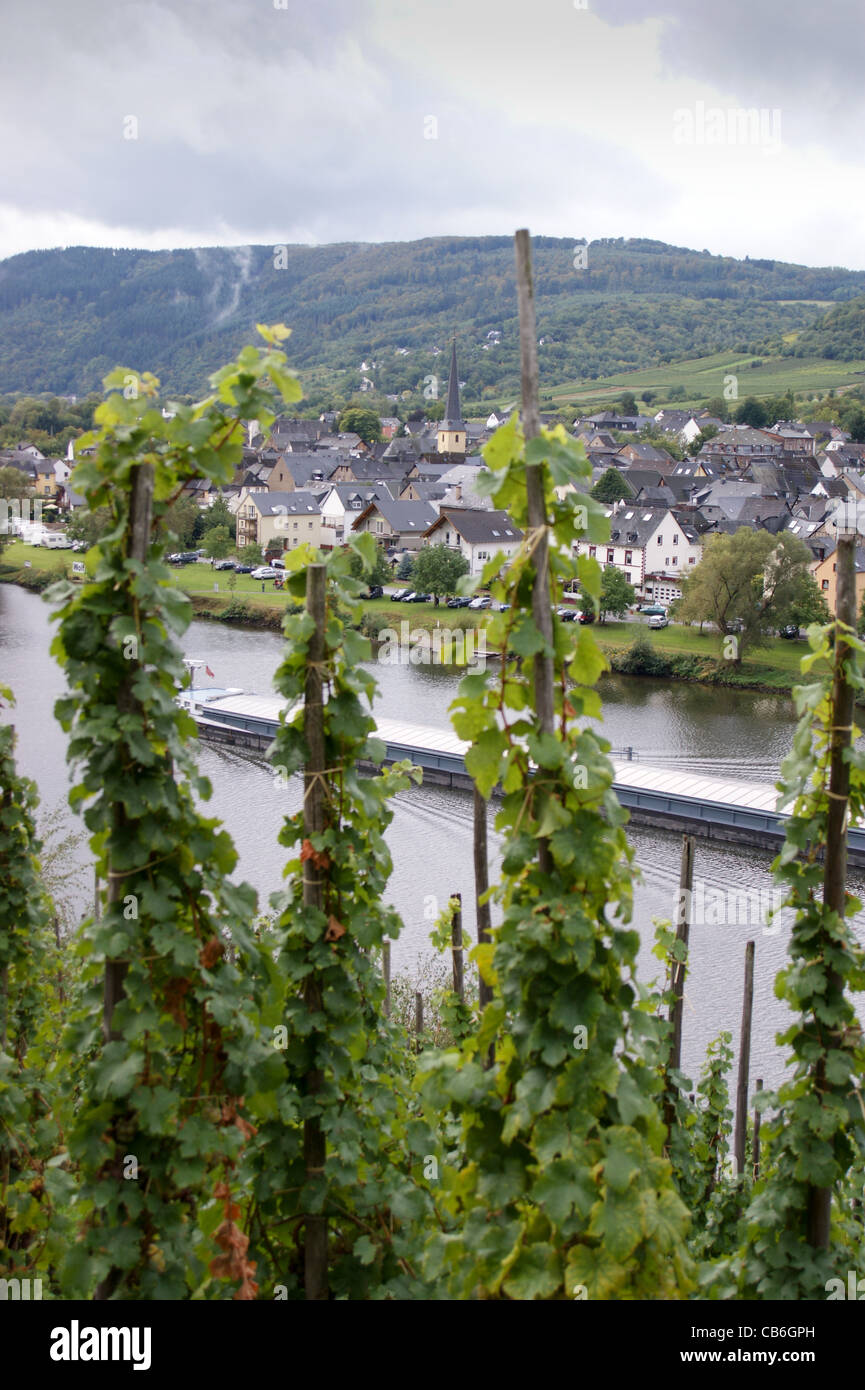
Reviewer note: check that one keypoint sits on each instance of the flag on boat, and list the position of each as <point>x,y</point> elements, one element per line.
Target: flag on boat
<point>209,672</point>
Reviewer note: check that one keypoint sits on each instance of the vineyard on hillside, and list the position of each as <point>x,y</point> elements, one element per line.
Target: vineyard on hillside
<point>207,1097</point>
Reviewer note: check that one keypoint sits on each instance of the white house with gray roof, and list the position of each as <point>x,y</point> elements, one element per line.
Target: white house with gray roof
<point>477,533</point>
<point>649,546</point>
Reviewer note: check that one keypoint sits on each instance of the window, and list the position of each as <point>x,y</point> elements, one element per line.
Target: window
<point>825,584</point>
<point>611,555</point>
<point>593,550</point>
<point>675,559</point>
<point>675,540</point>
<point>660,540</point>
<point>693,560</point>
<point>629,557</point>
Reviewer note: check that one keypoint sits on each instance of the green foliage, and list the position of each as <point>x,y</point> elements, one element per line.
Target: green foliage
<point>617,594</point>
<point>216,542</point>
<point>560,1134</point>
<point>363,422</point>
<point>160,1121</point>
<point>379,573</point>
<point>34,1180</point>
<point>437,569</point>
<point>642,659</point>
<point>87,526</point>
<point>638,303</point>
<point>611,487</point>
<point>748,584</point>
<point>815,1133</point>
<point>339,1059</point>
<point>405,568</point>
<point>753,412</point>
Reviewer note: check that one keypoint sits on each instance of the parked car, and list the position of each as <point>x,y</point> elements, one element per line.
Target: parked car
<point>567,615</point>
<point>659,620</point>
<point>588,616</point>
<point>459,602</point>
<point>482,601</point>
<point>420,598</point>
<point>183,557</point>
<point>223,564</point>
<point>374,591</point>
<point>264,572</point>
<point>791,632</point>
<point>243,569</point>
<point>653,610</point>
<point>277,563</point>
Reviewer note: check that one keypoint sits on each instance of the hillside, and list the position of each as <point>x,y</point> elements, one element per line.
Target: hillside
<point>68,316</point>
<point>837,334</point>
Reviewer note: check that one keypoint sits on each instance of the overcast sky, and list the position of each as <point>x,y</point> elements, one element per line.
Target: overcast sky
<point>201,122</point>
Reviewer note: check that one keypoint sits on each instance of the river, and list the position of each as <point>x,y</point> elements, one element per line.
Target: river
<point>734,733</point>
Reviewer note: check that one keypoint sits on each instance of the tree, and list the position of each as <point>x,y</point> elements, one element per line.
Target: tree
<point>381,572</point>
<point>718,407</point>
<point>181,521</point>
<point>250,554</point>
<point>648,396</point>
<point>217,542</point>
<point>437,569</point>
<point>88,526</point>
<point>810,606</point>
<point>363,422</point>
<point>617,594</point>
<point>706,433</point>
<point>611,487</point>
<point>628,403</point>
<point>15,483</point>
<point>405,568</point>
<point>746,584</point>
<point>217,514</point>
<point>752,412</point>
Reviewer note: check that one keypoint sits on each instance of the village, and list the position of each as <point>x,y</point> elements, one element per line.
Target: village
<point>305,482</point>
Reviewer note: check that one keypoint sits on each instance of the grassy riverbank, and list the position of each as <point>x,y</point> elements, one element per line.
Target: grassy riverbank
<point>685,652</point>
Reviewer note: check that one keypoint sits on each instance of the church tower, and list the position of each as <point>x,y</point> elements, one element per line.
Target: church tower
<point>452,429</point>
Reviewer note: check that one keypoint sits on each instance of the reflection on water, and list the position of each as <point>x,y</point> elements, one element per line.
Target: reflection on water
<point>739,734</point>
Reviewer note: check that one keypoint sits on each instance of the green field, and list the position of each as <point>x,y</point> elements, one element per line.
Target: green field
<point>701,378</point>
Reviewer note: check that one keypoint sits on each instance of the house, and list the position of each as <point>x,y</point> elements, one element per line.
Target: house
<point>291,435</point>
<point>478,534</point>
<point>395,525</point>
<point>279,520</point>
<point>643,543</point>
<point>646,454</point>
<point>341,503</point>
<point>824,572</point>
<point>390,426</point>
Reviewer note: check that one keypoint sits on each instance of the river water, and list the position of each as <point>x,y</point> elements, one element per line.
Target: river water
<point>733,733</point>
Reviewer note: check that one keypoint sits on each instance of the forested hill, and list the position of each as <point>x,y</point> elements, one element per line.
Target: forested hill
<point>69,316</point>
<point>838,333</point>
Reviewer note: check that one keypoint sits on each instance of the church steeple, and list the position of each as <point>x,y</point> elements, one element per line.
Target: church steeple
<point>452,430</point>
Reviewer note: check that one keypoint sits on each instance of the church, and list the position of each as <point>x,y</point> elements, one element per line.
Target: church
<point>451,435</point>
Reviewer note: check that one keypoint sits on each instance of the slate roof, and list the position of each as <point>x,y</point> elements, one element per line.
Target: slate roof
<point>402,517</point>
<point>478,525</point>
<point>285,503</point>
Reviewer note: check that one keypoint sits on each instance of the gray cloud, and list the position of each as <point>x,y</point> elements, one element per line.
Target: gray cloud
<point>307,123</point>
